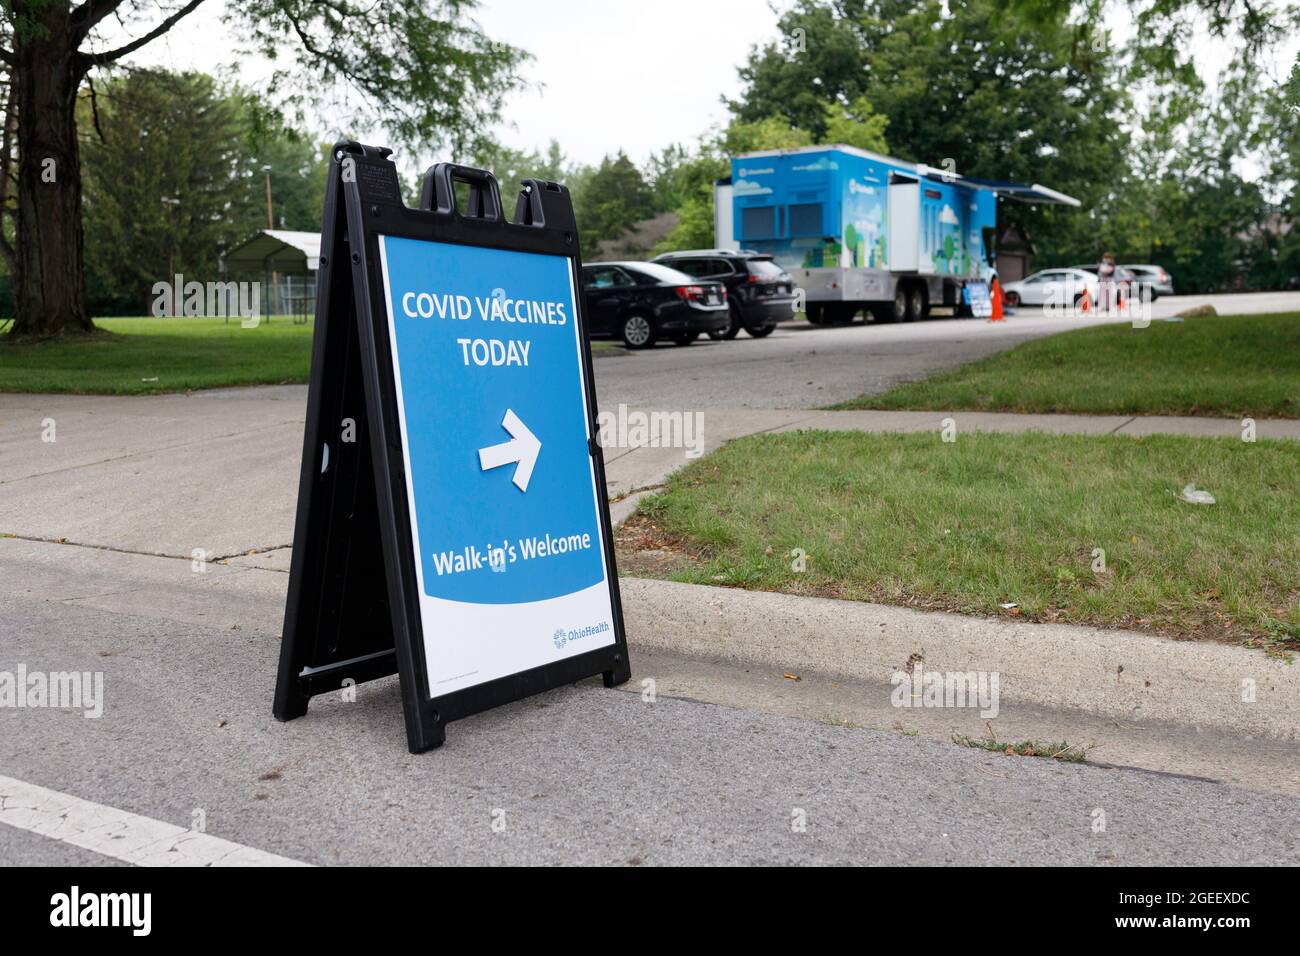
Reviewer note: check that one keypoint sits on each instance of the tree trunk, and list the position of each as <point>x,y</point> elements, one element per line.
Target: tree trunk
<point>49,280</point>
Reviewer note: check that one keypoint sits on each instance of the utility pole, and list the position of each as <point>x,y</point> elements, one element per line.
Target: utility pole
<point>270,220</point>
<point>270,224</point>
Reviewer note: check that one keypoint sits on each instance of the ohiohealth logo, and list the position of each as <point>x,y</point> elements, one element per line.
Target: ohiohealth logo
<point>562,637</point>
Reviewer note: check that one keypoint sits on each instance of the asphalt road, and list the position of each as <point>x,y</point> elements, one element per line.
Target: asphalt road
<point>804,366</point>
<point>581,775</point>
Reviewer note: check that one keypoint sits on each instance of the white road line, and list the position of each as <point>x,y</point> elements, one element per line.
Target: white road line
<point>123,836</point>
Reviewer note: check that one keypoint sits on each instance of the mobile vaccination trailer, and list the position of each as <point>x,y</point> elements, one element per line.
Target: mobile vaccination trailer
<point>859,230</point>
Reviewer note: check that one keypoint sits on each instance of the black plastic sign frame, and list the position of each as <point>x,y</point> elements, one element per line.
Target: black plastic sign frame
<point>353,610</point>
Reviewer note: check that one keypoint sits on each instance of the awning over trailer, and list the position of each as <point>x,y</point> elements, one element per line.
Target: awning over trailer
<point>1023,193</point>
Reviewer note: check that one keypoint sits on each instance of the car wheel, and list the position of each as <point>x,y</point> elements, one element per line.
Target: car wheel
<point>1013,299</point>
<point>916,304</point>
<point>686,338</point>
<point>734,323</point>
<point>638,331</point>
<point>761,331</point>
<point>816,313</point>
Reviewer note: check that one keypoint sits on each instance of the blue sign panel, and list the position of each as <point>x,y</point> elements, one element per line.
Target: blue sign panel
<point>488,365</point>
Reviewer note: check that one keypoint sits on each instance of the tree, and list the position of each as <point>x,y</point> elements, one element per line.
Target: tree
<point>175,172</point>
<point>298,163</point>
<point>966,81</point>
<point>765,132</point>
<point>1182,202</point>
<point>1285,174</point>
<point>1164,27</point>
<point>669,171</point>
<point>422,70</point>
<point>159,188</point>
<point>613,197</point>
<point>856,125</point>
<point>512,166</point>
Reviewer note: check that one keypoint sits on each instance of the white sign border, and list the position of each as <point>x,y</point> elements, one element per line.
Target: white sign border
<point>526,635</point>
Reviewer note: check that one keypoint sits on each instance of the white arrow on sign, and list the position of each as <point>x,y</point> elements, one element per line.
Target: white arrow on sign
<point>522,448</point>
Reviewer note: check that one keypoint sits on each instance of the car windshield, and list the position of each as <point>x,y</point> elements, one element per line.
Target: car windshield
<point>765,268</point>
<point>659,273</point>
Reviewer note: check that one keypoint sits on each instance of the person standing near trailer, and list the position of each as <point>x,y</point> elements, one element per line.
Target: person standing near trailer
<point>1107,283</point>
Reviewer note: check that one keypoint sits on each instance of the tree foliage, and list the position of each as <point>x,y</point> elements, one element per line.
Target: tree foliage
<point>424,71</point>
<point>609,199</point>
<point>974,86</point>
<point>175,171</point>
<point>1043,91</point>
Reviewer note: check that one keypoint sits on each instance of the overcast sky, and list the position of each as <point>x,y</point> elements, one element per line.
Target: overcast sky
<point>635,75</point>
<point>613,74</point>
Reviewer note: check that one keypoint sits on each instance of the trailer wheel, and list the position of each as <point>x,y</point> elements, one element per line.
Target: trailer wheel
<point>895,311</point>
<point>918,304</point>
<point>816,313</point>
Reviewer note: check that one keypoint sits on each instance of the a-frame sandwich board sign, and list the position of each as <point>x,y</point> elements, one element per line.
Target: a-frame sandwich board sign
<point>453,522</point>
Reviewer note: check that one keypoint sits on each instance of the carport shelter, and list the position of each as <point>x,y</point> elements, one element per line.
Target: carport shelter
<point>286,262</point>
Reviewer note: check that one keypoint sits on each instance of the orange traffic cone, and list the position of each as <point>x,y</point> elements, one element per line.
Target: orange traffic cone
<point>997,301</point>
<point>1085,304</point>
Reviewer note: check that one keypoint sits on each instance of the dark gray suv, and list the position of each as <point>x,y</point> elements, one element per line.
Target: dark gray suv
<point>760,292</point>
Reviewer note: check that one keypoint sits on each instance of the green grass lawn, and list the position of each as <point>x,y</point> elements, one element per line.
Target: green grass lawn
<point>996,519</point>
<point>142,356</point>
<point>1226,366</point>
<point>145,356</point>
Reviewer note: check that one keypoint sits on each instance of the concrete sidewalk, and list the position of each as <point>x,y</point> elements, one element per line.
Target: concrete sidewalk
<point>218,470</point>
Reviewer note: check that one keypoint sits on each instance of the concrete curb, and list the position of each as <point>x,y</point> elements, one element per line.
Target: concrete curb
<point>1113,673</point>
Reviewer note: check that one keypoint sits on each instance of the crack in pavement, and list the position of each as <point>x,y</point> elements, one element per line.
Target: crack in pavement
<point>149,554</point>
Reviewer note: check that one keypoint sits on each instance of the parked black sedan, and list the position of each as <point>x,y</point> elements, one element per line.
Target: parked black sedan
<point>642,302</point>
<point>761,293</point>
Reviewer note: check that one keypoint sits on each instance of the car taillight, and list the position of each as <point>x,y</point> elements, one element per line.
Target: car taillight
<point>752,279</point>
<point>690,292</point>
<point>1164,276</point>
